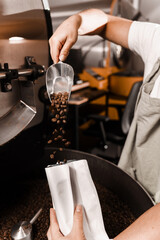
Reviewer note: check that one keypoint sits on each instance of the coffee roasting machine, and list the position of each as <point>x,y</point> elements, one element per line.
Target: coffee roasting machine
<point>25,27</point>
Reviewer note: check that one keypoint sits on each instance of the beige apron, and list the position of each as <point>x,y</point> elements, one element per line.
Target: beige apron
<point>141,153</point>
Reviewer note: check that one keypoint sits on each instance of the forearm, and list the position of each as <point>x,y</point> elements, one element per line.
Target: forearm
<point>96,22</point>
<point>88,22</point>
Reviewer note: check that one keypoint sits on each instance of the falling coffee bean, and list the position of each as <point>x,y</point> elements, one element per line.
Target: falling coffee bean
<point>59,102</point>
<point>67,144</point>
<point>54,119</point>
<point>52,156</point>
<point>59,137</point>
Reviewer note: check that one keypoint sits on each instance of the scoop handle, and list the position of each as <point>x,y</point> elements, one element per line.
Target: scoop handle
<point>35,216</point>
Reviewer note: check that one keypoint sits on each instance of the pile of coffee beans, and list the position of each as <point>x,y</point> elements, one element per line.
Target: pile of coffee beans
<point>117,215</point>
<point>22,200</point>
<point>59,107</point>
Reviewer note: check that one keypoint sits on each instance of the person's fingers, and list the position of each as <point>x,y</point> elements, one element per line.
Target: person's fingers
<point>78,220</point>
<point>49,234</point>
<point>59,50</point>
<point>65,49</point>
<point>54,227</point>
<point>55,48</point>
<point>53,218</point>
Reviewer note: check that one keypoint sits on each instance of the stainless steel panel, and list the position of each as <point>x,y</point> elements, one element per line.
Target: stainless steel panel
<point>27,21</point>
<point>18,117</point>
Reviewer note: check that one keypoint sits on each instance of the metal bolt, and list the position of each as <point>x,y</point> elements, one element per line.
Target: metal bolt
<point>8,86</point>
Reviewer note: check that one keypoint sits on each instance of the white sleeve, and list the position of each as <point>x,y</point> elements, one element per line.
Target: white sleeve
<point>144,39</point>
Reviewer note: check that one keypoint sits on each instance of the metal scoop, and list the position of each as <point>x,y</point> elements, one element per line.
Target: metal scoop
<point>23,229</point>
<point>59,78</point>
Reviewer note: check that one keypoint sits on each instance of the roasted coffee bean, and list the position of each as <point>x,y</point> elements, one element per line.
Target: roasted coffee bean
<point>55,139</point>
<point>59,137</point>
<point>57,116</point>
<point>52,156</point>
<point>63,131</point>
<point>65,110</point>
<point>58,121</point>
<point>66,94</point>
<point>67,144</point>
<point>61,149</point>
<point>49,141</point>
<point>64,140</point>
<point>59,94</point>
<point>54,119</point>
<point>61,112</point>
<point>64,121</point>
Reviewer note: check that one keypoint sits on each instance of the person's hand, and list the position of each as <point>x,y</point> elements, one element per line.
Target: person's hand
<point>76,233</point>
<point>64,38</point>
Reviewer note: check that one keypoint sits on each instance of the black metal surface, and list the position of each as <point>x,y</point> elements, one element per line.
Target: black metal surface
<point>111,177</point>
